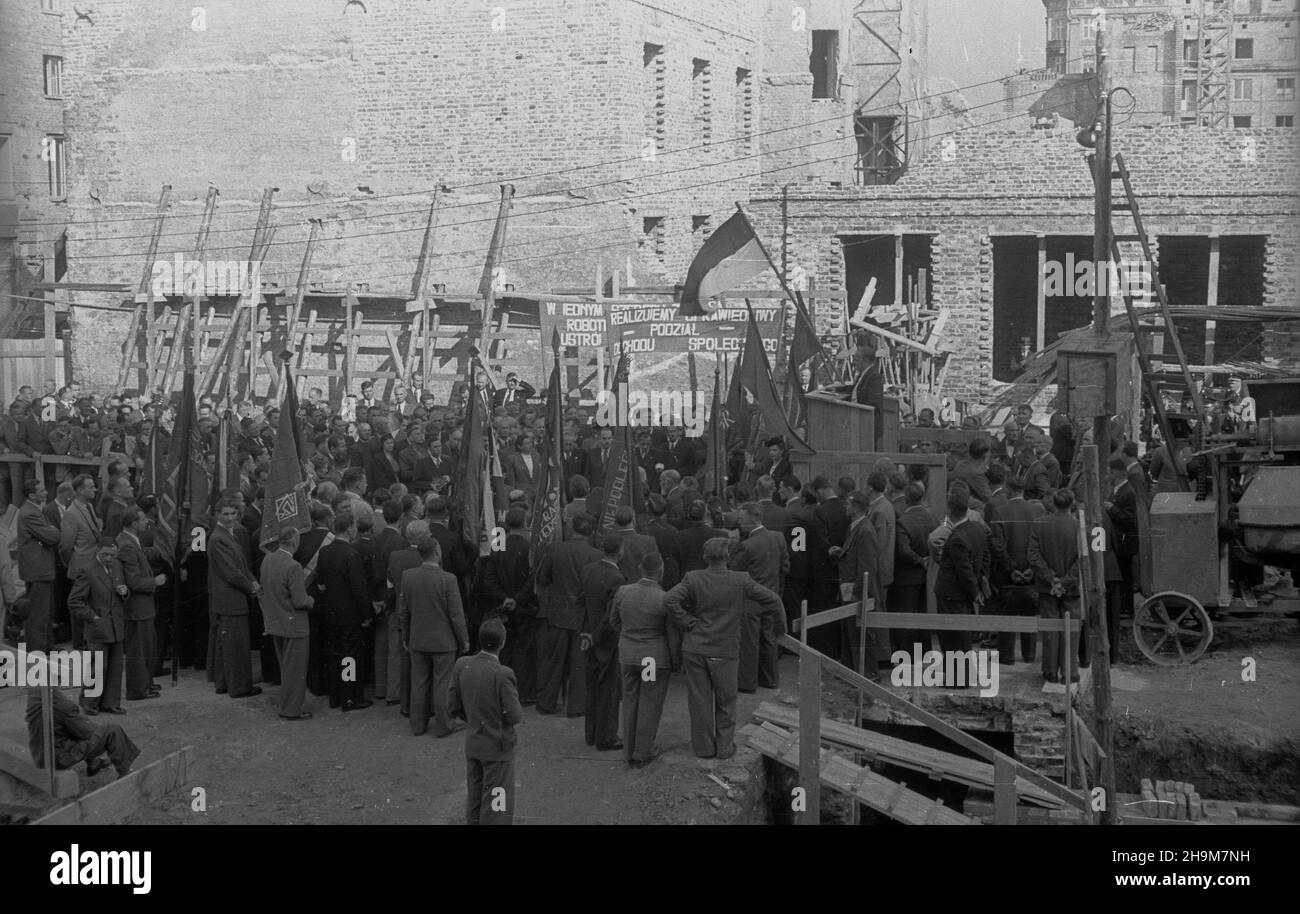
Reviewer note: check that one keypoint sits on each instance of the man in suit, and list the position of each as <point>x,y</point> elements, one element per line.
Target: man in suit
<point>1054,555</point>
<point>972,470</point>
<point>285,606</point>
<point>680,453</point>
<point>636,546</point>
<point>308,556</point>
<point>79,537</point>
<point>98,600</point>
<point>137,572</point>
<point>1122,506</point>
<point>803,540</point>
<point>1009,534</point>
<point>664,535</point>
<point>880,514</point>
<point>432,621</point>
<point>388,640</point>
<point>515,392</point>
<point>523,465</point>
<point>859,555</point>
<point>964,566</point>
<point>508,586</point>
<point>560,667</point>
<point>483,694</point>
<point>688,544</point>
<point>646,457</point>
<point>649,649</point>
<point>911,565</point>
<point>763,555</point>
<point>598,582</point>
<point>399,562</point>
<point>230,584</point>
<point>38,542</point>
<point>709,607</point>
<point>598,459</point>
<point>120,497</point>
<point>348,610</point>
<point>775,517</point>
<point>832,516</point>
<point>1044,475</point>
<point>76,739</point>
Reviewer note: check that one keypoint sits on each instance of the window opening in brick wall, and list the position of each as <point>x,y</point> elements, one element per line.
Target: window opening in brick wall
<point>824,63</point>
<point>653,75</point>
<point>54,150</point>
<point>1153,55</point>
<point>701,227</point>
<point>868,257</point>
<point>745,110</point>
<point>1286,89</point>
<point>53,76</point>
<point>1244,49</point>
<point>702,97</point>
<point>1016,282</point>
<point>1241,120</point>
<point>652,237</point>
<point>6,167</point>
<point>1285,120</point>
<point>1130,58</point>
<point>1184,269</point>
<point>882,151</point>
<point>1190,54</point>
<point>1243,89</point>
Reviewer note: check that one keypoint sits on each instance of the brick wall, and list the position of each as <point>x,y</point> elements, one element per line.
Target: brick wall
<point>1188,180</point>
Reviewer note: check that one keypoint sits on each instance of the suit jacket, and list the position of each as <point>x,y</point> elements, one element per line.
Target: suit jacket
<point>880,514</point>
<point>53,512</point>
<point>559,580</point>
<point>764,556</point>
<point>230,582</point>
<point>285,601</point>
<point>688,547</point>
<point>343,577</point>
<point>113,511</point>
<point>507,575</point>
<point>649,461</point>
<point>645,629</point>
<point>709,605</point>
<point>911,549</point>
<point>1123,514</point>
<point>484,694</point>
<point>685,456</point>
<point>1009,534</point>
<point>386,542</point>
<point>665,537</point>
<point>974,477</point>
<point>503,395</point>
<point>832,519</point>
<point>599,581</point>
<point>399,562</point>
<point>455,557</point>
<point>74,733</point>
<point>379,472</point>
<point>963,564</point>
<point>574,463</point>
<point>38,542</point>
<point>635,547</point>
<point>139,576</point>
<point>79,536</point>
<point>518,474</point>
<point>596,468</point>
<point>862,555</point>
<point>429,611</point>
<point>775,517</point>
<point>1054,550</point>
<point>95,601</point>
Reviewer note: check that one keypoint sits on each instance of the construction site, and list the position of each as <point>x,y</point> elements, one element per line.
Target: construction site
<point>358,189</point>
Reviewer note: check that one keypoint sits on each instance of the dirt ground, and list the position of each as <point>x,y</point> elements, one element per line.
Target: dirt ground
<point>365,767</point>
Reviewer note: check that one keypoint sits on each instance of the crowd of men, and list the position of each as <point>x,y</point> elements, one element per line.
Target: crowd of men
<point>375,602</point>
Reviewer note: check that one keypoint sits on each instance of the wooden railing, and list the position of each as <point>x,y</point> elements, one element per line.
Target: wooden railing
<point>813,664</point>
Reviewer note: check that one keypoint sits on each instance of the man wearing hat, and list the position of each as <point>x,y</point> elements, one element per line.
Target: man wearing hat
<point>98,601</point>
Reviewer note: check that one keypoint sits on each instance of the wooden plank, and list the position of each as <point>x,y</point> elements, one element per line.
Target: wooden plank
<point>15,761</point>
<point>827,616</point>
<point>950,622</point>
<point>124,797</point>
<point>1040,305</point>
<point>338,372</point>
<point>884,696</point>
<point>905,754</point>
<point>810,700</point>
<point>1004,792</point>
<point>872,790</point>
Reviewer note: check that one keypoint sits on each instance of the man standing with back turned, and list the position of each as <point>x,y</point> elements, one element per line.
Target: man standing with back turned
<point>484,694</point>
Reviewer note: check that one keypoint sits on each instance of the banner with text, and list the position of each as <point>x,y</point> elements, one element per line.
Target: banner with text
<point>657,328</point>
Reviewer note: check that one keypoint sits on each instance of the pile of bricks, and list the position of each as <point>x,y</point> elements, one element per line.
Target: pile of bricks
<point>1170,800</point>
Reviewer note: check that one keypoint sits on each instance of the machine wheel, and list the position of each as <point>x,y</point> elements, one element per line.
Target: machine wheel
<point>1172,629</point>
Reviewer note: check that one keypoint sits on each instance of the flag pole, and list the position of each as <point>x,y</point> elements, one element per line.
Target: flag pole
<point>785,286</point>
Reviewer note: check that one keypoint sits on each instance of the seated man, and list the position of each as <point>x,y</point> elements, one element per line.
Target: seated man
<point>76,737</point>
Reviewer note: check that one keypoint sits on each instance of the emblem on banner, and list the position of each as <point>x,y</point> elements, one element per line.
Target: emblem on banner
<point>286,506</point>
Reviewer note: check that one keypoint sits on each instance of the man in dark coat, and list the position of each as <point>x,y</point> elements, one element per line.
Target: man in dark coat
<point>432,623</point>
<point>599,581</point>
<point>963,569</point>
<point>76,738</point>
<point>230,584</point>
<point>763,555</point>
<point>1054,556</point>
<point>560,666</point>
<point>308,556</point>
<point>399,562</point>
<point>911,565</point>
<point>348,609</point>
<point>859,555</point>
<point>709,607</point>
<point>98,600</point>
<point>1009,532</point>
<point>483,694</point>
<point>509,587</point>
<point>38,548</point>
<point>137,571</point>
<point>688,544</point>
<point>1122,506</point>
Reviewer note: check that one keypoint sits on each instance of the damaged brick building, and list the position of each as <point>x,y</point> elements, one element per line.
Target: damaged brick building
<point>981,215</point>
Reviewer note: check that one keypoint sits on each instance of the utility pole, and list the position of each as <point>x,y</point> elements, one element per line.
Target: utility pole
<point>1095,599</point>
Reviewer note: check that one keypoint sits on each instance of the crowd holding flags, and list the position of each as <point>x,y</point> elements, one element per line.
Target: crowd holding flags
<point>618,477</point>
<point>548,514</point>
<point>285,500</point>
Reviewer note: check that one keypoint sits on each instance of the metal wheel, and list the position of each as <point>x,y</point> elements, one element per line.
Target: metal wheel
<point>1172,629</point>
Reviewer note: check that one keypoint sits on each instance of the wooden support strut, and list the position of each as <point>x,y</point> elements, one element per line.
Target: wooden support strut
<point>143,312</point>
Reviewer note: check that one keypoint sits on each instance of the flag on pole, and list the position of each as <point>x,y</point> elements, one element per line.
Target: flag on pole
<point>548,512</point>
<point>618,475</point>
<point>473,471</point>
<point>729,257</point>
<point>753,383</point>
<point>175,482</point>
<point>285,501</point>
<point>717,437</point>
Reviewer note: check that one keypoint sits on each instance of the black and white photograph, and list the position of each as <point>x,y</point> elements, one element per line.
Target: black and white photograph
<point>652,413</point>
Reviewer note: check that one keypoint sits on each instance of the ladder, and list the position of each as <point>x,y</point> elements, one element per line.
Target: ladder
<point>1164,324</point>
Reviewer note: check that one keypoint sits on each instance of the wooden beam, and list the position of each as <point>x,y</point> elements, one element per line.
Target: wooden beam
<point>15,761</point>
<point>1212,298</point>
<point>951,622</point>
<point>810,704</point>
<point>124,797</point>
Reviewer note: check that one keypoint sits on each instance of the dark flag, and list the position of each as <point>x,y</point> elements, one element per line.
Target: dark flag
<point>618,479</point>
<point>729,257</point>
<point>285,501</point>
<point>177,477</point>
<point>717,437</point>
<point>473,472</point>
<point>753,383</point>
<point>548,512</point>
